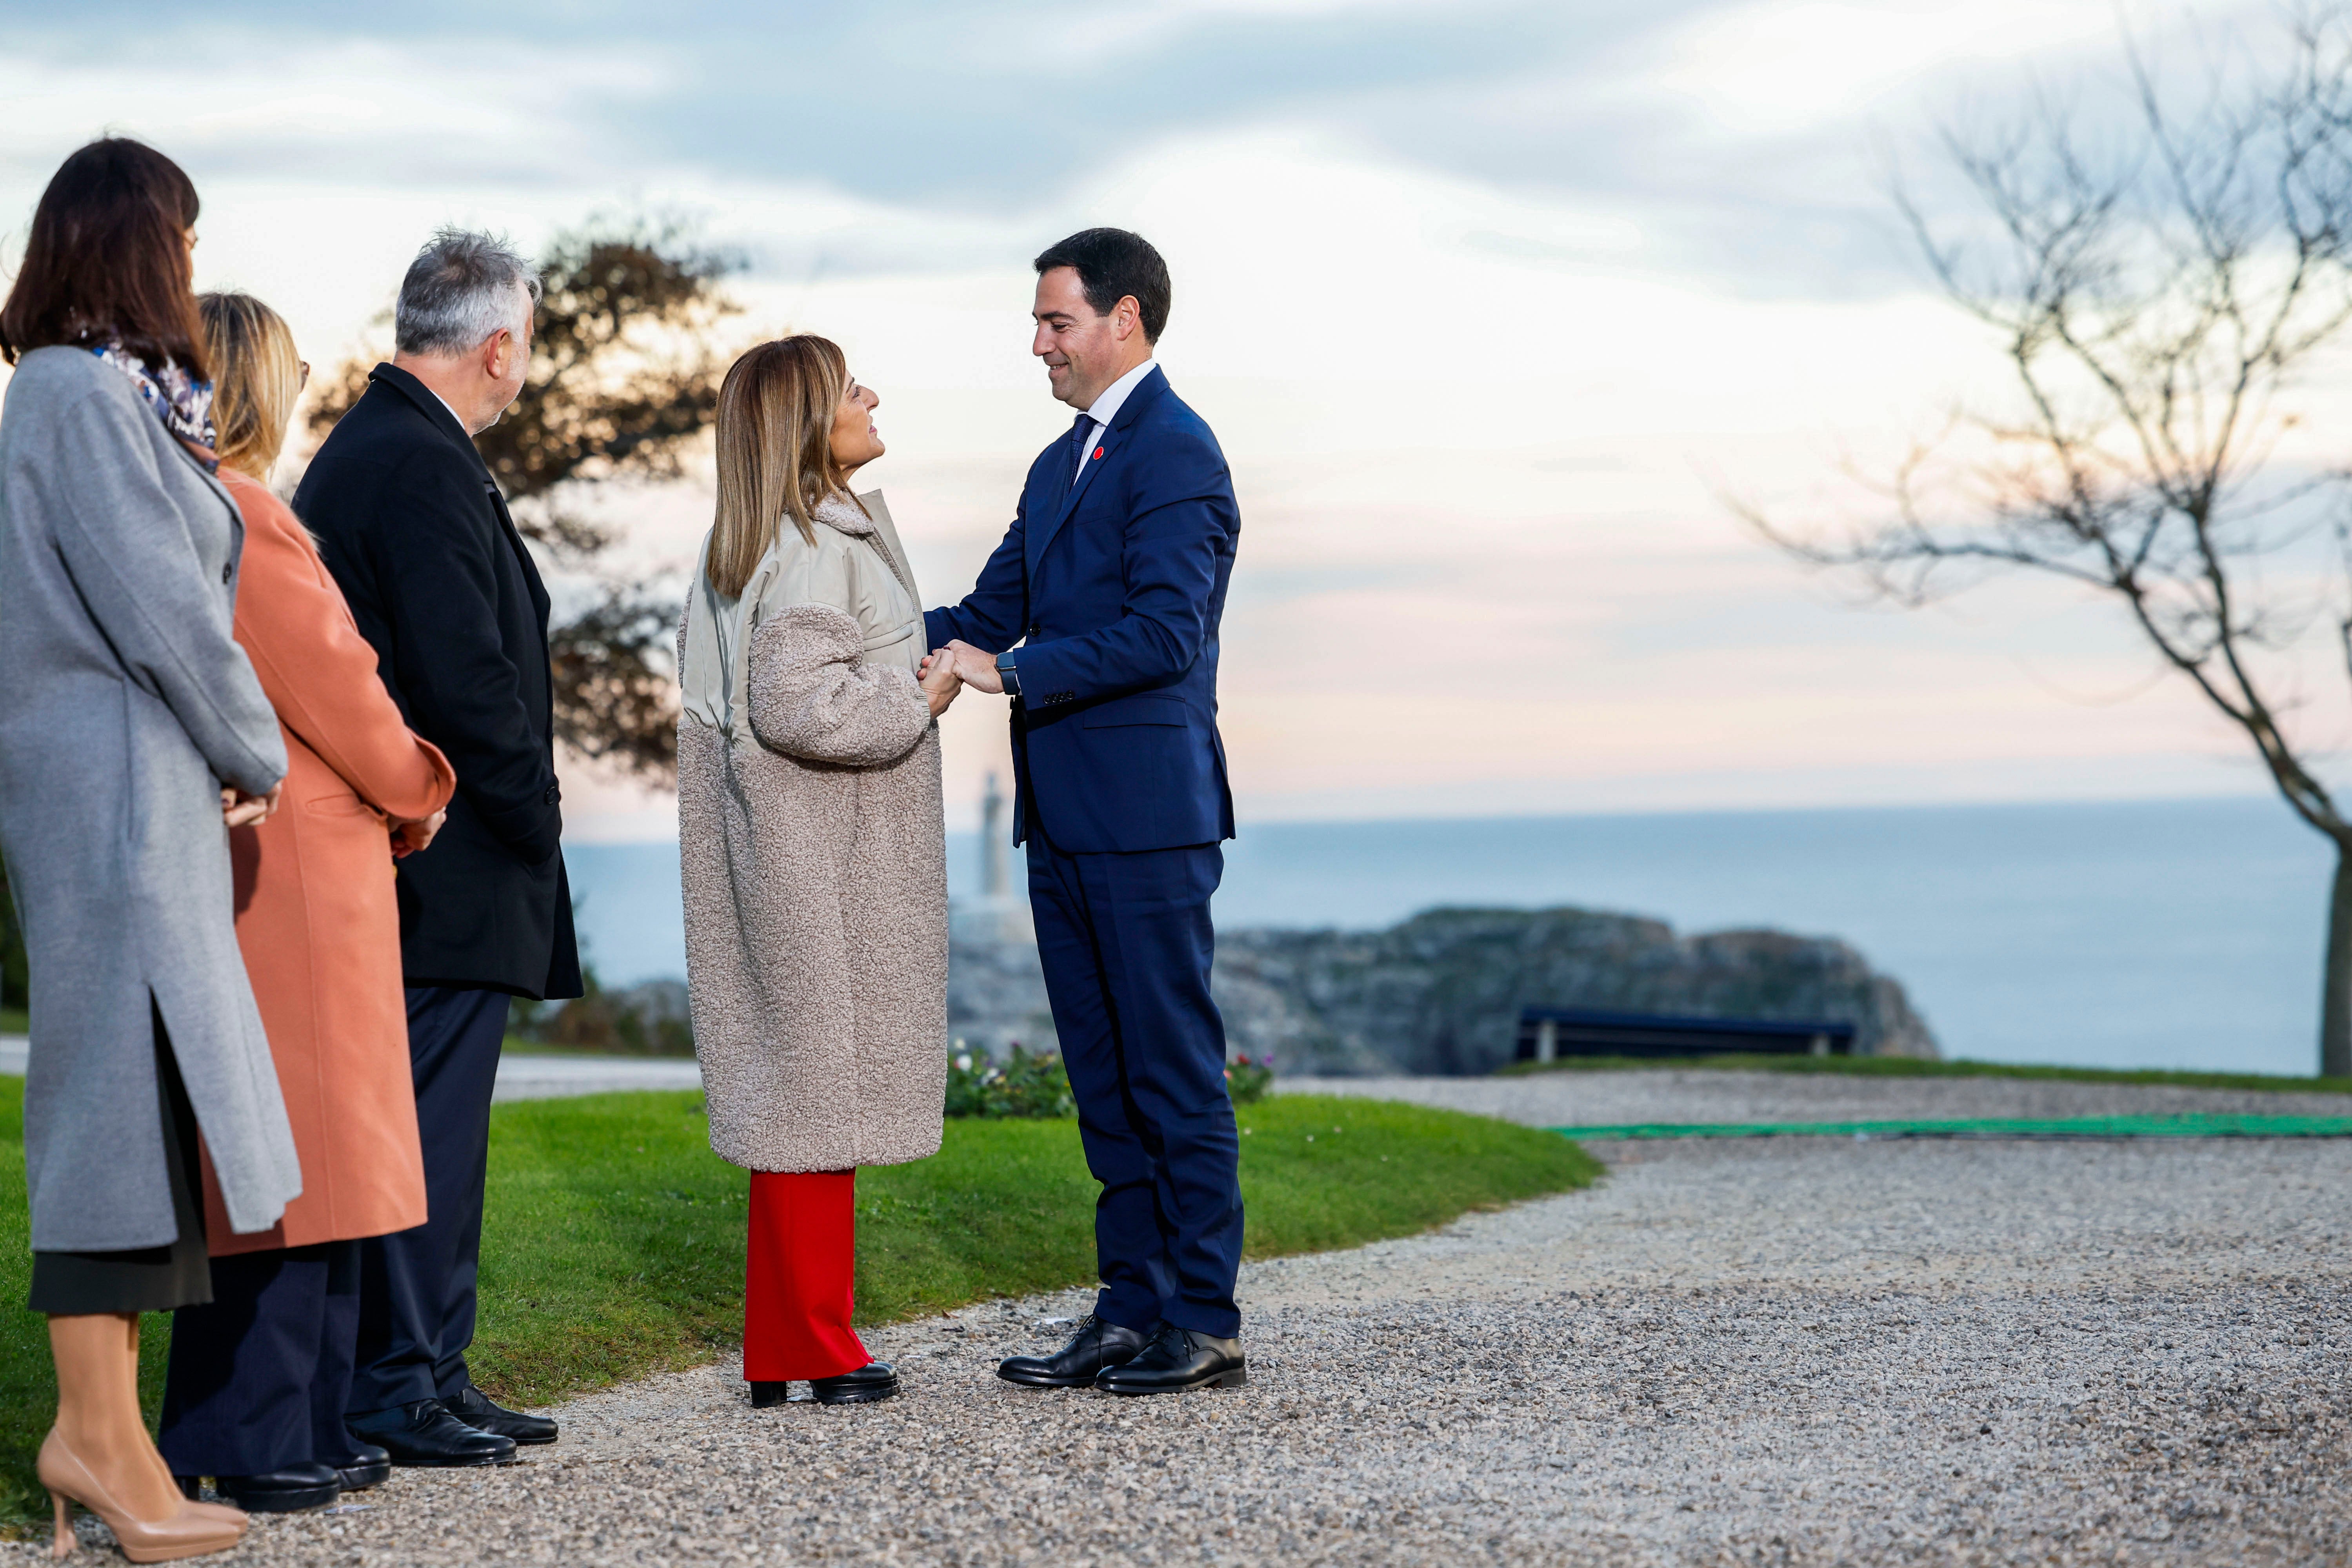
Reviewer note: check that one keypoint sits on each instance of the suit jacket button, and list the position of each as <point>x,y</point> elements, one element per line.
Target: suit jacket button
<point>551,794</point>
<point>1034,632</point>
<point>226,567</point>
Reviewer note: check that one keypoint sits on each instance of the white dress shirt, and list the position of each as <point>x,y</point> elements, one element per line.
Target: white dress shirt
<point>1106,408</point>
<point>453,413</point>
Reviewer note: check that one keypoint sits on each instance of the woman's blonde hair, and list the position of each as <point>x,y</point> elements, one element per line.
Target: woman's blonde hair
<point>776,411</point>
<point>257,379</point>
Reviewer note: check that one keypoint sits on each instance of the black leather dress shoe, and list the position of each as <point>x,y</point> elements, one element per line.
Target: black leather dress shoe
<point>1095,1346</point>
<point>472,1406</point>
<point>368,1465</point>
<point>875,1380</point>
<point>422,1433</point>
<point>290,1490</point>
<point>1178,1359</point>
<point>764,1394</point>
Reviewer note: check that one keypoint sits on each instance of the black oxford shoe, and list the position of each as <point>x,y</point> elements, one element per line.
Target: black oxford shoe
<point>472,1406</point>
<point>290,1490</point>
<point>424,1432</point>
<point>368,1465</point>
<point>1096,1345</point>
<point>1178,1359</point>
<point>875,1380</point>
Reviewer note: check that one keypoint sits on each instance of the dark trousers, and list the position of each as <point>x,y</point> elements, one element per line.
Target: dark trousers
<point>416,1286</point>
<point>1125,943</point>
<point>800,1277</point>
<point>258,1375</point>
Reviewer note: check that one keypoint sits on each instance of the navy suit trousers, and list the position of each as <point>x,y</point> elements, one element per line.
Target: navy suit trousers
<point>258,1374</point>
<point>1125,943</point>
<point>416,1286</point>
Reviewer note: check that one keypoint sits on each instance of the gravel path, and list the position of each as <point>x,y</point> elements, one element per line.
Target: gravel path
<point>1784,1352</point>
<point>1615,1098</point>
<point>522,1075</point>
<point>531,1076</point>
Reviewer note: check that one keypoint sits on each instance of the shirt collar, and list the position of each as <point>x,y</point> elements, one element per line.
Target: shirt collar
<point>1106,407</point>
<point>445,402</point>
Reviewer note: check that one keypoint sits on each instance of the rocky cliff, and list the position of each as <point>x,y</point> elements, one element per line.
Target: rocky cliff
<point>1442,992</point>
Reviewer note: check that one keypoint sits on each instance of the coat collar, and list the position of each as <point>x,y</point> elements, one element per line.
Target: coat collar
<point>436,413</point>
<point>1110,443</point>
<point>428,403</point>
<point>840,512</point>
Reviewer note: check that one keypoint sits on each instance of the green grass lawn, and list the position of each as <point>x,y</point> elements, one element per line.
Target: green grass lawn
<point>614,1240</point>
<point>1905,1067</point>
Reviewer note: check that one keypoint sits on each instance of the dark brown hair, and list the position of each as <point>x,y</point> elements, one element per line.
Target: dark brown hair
<point>1113,265</point>
<point>108,257</point>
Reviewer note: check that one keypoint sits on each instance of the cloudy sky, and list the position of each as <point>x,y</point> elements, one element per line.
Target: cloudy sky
<point>1490,304</point>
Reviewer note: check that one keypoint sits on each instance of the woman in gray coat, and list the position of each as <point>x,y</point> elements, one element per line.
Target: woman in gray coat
<point>810,836</point>
<point>132,729</point>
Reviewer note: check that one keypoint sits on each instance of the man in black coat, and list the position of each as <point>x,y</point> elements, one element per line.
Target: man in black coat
<point>417,535</point>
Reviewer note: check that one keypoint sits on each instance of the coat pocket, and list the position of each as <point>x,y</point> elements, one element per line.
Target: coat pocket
<point>881,640</point>
<point>1143,708</point>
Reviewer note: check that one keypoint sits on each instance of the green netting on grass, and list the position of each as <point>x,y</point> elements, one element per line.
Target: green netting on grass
<point>2186,1126</point>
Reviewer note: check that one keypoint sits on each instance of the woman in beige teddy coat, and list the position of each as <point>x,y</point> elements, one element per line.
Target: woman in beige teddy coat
<point>811,845</point>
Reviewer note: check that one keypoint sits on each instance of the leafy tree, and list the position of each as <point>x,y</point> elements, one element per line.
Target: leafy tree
<point>2163,300</point>
<point>622,382</point>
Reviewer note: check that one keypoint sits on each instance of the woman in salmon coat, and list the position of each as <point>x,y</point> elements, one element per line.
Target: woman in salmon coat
<point>255,1394</point>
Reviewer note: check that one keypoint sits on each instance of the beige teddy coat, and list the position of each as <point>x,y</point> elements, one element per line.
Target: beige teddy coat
<point>811,845</point>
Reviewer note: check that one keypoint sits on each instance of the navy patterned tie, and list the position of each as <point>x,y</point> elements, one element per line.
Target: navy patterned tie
<point>1078,444</point>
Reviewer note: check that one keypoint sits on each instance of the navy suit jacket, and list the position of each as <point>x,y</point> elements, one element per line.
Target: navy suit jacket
<point>1114,588</point>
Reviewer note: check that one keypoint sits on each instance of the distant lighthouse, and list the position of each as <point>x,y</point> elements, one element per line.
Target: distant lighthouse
<point>998,916</point>
<point>995,881</point>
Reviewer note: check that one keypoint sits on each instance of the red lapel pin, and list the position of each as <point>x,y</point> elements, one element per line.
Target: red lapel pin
<point>1097,451</point>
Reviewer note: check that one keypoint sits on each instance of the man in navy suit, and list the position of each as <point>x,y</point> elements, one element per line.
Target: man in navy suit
<point>1110,583</point>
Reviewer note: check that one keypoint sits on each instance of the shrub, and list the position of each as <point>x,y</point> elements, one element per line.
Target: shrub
<point>1022,1085</point>
<point>648,1019</point>
<point>1247,1078</point>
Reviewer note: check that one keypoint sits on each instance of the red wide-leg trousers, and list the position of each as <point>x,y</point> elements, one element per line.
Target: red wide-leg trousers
<point>800,1278</point>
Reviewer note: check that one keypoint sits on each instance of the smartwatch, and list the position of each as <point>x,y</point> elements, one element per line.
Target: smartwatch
<point>1010,675</point>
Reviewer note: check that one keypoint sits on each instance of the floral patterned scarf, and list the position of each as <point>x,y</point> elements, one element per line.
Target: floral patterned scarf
<point>183,403</point>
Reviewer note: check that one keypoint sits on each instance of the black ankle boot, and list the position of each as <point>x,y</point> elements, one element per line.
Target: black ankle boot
<point>875,1380</point>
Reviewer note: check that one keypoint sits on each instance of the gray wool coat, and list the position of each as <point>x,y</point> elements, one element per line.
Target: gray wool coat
<point>811,843</point>
<point>125,706</point>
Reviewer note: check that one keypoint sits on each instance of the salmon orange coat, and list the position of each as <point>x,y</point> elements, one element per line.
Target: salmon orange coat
<point>316,917</point>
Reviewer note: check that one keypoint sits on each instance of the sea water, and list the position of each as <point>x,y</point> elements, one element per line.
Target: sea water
<point>2146,933</point>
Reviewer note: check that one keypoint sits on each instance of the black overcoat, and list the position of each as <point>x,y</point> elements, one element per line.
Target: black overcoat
<point>415,531</point>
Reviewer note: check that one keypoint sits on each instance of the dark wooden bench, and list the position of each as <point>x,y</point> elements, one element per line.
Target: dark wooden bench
<point>1549,1033</point>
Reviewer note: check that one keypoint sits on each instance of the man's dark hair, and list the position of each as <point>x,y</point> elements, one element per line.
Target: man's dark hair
<point>1111,265</point>
<point>108,258</point>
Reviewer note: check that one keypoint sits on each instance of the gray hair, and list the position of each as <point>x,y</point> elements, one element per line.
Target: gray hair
<point>459,292</point>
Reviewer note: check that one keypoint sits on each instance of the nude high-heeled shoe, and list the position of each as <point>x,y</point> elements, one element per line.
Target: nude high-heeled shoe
<point>156,1462</point>
<point>186,1534</point>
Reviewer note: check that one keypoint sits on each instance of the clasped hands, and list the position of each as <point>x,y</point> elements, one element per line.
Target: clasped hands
<point>948,671</point>
<point>240,809</point>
